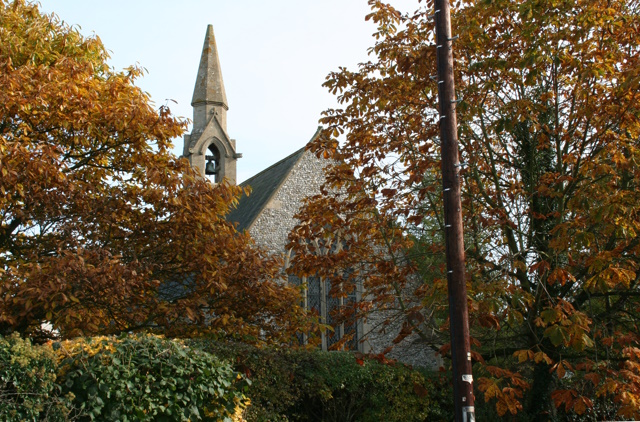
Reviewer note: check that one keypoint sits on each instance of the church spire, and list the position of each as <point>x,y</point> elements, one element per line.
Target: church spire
<point>209,97</point>
<point>208,147</point>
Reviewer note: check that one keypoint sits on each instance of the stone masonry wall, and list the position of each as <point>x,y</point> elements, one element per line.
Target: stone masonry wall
<point>412,350</point>
<point>272,227</point>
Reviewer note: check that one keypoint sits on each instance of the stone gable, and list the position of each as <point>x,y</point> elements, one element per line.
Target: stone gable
<point>272,227</point>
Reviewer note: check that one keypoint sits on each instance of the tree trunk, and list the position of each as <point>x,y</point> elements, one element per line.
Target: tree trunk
<point>540,407</point>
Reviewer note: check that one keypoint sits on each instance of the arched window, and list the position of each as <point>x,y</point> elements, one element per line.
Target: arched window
<point>212,164</point>
<point>317,298</point>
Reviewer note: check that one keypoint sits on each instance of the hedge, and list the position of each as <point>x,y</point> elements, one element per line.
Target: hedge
<point>289,385</point>
<point>145,377</point>
<point>129,378</point>
<point>148,378</point>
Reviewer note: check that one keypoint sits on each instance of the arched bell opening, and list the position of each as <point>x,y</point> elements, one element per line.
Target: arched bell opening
<point>212,163</point>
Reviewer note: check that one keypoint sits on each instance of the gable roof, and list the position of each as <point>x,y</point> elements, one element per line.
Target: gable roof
<point>263,186</point>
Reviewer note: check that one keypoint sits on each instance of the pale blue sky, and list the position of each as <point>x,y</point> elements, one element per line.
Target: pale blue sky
<point>274,57</point>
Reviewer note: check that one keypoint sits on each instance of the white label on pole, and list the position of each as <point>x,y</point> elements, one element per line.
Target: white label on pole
<point>468,414</point>
<point>467,378</point>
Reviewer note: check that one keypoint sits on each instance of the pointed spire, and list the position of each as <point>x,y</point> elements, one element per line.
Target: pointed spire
<point>209,135</point>
<point>209,85</point>
<point>209,97</point>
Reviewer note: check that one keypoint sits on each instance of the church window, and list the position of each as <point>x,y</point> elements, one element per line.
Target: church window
<point>332,303</point>
<point>318,299</point>
<point>314,295</point>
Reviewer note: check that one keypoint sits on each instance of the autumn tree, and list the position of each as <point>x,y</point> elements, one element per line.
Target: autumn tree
<point>549,126</point>
<point>102,229</point>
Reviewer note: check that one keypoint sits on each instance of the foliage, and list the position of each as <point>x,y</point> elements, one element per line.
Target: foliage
<point>342,389</point>
<point>272,388</point>
<point>549,127</point>
<point>290,385</point>
<point>102,230</point>
<point>28,389</point>
<point>146,378</point>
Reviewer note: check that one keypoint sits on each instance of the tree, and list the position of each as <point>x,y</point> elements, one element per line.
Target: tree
<point>549,125</point>
<point>102,229</point>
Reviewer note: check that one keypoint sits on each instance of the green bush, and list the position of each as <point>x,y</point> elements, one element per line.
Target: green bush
<point>271,371</point>
<point>318,386</point>
<point>28,390</point>
<point>150,378</point>
<point>144,378</point>
<point>338,388</point>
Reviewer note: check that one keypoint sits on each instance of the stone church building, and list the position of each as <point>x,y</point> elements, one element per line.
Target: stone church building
<point>277,193</point>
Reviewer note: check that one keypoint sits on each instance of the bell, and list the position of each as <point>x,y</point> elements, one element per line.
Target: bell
<point>210,168</point>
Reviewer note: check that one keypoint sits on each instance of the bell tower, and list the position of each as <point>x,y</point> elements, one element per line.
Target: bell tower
<point>208,147</point>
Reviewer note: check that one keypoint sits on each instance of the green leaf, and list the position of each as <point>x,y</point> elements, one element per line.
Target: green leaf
<point>557,334</point>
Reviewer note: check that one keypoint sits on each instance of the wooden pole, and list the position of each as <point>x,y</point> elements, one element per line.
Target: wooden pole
<point>458,312</point>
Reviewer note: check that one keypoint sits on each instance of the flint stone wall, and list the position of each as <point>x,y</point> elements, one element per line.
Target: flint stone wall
<point>272,227</point>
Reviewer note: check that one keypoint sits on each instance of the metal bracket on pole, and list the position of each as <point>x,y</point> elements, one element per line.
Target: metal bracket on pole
<point>434,15</point>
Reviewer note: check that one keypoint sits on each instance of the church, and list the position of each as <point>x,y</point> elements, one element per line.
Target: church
<point>277,193</point>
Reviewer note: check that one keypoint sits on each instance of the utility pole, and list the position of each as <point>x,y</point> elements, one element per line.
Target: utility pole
<point>458,312</point>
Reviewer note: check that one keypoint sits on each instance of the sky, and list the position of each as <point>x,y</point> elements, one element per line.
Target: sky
<point>274,56</point>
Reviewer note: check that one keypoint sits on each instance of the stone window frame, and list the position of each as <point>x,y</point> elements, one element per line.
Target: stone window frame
<point>324,313</point>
